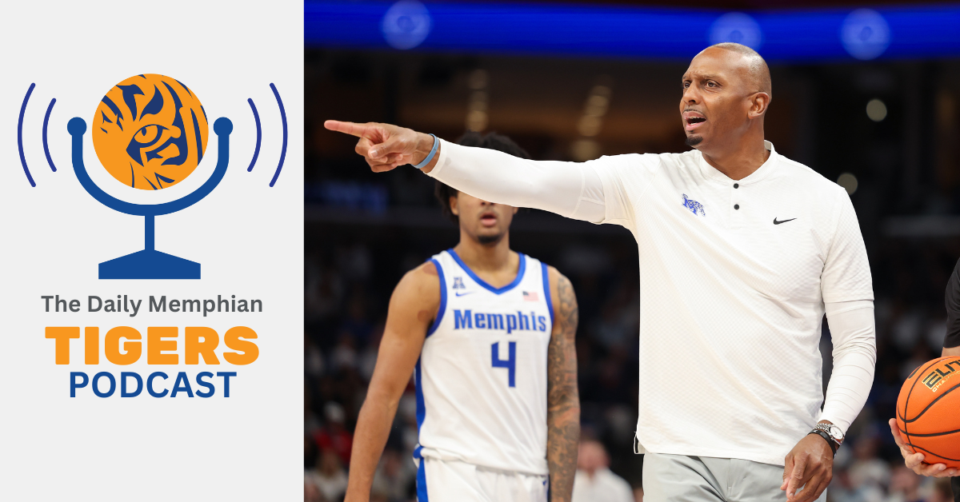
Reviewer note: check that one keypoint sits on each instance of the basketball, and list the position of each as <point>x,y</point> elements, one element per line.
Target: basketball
<point>928,411</point>
<point>150,132</point>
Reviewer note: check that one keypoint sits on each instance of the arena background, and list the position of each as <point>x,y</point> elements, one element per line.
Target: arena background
<point>884,125</point>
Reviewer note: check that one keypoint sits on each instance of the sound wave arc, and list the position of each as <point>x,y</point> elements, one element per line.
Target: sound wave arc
<point>23,158</point>
<point>283,151</point>
<point>46,147</point>
<point>256,149</point>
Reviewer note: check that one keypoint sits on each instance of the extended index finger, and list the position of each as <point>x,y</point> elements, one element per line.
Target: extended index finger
<point>350,128</point>
<point>796,477</point>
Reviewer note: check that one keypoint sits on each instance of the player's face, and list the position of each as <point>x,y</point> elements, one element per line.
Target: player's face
<point>714,107</point>
<point>485,222</point>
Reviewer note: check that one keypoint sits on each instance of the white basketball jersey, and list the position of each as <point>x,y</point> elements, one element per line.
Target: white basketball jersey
<point>482,375</point>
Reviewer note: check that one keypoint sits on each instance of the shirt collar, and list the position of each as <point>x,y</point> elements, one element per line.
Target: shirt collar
<point>711,173</point>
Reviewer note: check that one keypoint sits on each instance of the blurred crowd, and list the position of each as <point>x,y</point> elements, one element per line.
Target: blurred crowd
<point>349,280</point>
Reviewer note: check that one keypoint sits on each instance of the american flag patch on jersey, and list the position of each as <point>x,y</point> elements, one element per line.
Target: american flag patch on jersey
<point>530,297</point>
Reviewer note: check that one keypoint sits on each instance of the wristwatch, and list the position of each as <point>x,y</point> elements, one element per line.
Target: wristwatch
<point>830,433</point>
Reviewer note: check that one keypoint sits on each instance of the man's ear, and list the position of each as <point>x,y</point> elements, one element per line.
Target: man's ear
<point>759,103</point>
<point>454,208</point>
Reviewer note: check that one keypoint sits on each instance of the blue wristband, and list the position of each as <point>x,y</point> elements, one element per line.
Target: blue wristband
<point>433,152</point>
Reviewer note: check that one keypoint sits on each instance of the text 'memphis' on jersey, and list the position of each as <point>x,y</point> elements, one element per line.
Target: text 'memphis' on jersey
<point>482,375</point>
<point>466,319</point>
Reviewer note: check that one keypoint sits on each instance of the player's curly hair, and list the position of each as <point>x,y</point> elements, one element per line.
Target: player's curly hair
<point>493,141</point>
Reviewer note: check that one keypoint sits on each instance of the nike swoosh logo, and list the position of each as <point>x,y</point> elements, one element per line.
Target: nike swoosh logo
<point>465,294</point>
<point>775,222</point>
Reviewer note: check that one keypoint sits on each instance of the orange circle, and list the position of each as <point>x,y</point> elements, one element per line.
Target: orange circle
<point>150,132</point>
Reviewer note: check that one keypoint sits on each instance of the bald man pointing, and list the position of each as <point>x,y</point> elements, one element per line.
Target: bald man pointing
<point>742,251</point>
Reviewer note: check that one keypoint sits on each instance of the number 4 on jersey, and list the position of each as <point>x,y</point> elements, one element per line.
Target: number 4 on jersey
<point>510,362</point>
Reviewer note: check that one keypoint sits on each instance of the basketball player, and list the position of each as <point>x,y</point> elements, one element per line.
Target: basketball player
<point>951,347</point>
<point>489,333</point>
<point>742,251</point>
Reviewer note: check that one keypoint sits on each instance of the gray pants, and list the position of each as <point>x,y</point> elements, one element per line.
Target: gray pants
<point>669,478</point>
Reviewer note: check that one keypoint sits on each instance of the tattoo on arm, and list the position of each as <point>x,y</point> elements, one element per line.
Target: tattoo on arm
<point>563,399</point>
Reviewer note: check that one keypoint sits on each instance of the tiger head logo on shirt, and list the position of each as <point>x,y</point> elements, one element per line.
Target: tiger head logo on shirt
<point>693,206</point>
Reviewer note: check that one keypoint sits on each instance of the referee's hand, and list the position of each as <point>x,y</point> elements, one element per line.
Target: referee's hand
<point>386,146</point>
<point>914,460</point>
<point>808,465</point>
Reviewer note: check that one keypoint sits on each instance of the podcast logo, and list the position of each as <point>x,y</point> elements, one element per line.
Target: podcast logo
<point>153,144</point>
<point>150,132</point>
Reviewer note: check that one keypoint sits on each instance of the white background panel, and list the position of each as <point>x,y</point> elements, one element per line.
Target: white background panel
<point>247,236</point>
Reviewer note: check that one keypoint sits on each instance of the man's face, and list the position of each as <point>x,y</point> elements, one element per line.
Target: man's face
<point>485,222</point>
<point>591,457</point>
<point>715,103</point>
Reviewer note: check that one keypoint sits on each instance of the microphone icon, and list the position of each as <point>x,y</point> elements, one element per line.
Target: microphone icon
<point>162,144</point>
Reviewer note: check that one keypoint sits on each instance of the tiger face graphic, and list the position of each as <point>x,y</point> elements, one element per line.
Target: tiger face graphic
<point>150,132</point>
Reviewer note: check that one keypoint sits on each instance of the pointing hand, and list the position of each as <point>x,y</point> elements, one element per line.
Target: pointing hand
<point>386,146</point>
